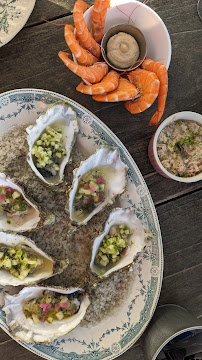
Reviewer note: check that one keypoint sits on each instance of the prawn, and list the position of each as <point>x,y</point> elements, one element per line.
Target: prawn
<point>99,12</point>
<point>93,73</point>
<point>108,83</point>
<point>83,56</point>
<point>82,31</point>
<point>160,70</point>
<point>148,85</point>
<point>124,91</point>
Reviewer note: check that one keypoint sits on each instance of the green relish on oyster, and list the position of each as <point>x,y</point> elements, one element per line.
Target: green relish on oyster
<point>52,306</point>
<point>113,245</point>
<point>90,191</point>
<point>18,261</point>
<point>12,203</point>
<point>48,151</point>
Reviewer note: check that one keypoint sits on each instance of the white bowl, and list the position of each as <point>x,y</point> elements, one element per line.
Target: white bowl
<point>146,20</point>
<point>152,151</point>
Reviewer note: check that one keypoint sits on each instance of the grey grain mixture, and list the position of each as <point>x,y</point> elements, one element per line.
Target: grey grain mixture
<point>107,295</point>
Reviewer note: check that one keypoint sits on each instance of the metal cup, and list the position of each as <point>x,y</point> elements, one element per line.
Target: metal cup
<point>168,322</point>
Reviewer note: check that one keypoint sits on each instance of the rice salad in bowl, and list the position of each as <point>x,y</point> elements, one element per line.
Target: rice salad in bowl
<point>175,150</point>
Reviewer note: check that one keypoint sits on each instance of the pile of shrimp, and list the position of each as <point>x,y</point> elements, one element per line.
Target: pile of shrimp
<point>138,88</point>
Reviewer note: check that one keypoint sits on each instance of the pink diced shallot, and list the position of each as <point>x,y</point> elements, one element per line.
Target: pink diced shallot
<point>86,186</point>
<point>100,180</point>
<point>9,189</point>
<point>65,304</point>
<point>90,200</point>
<point>101,197</point>
<point>2,198</point>
<point>57,306</point>
<point>43,318</point>
<point>92,188</point>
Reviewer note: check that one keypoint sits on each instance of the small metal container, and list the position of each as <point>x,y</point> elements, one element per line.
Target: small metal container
<point>168,322</point>
<point>131,30</point>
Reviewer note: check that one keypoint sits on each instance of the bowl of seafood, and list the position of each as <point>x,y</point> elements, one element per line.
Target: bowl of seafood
<point>138,88</point>
<point>123,47</point>
<point>175,149</point>
<point>80,244</point>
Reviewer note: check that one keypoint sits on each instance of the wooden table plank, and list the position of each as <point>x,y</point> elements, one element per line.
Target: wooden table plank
<point>31,60</point>
<point>51,10</point>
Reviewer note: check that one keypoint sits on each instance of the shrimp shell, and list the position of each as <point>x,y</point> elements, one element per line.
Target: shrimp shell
<point>83,56</point>
<point>99,12</point>
<point>93,74</point>
<point>108,83</point>
<point>124,91</point>
<point>82,31</point>
<point>148,85</point>
<point>160,70</point>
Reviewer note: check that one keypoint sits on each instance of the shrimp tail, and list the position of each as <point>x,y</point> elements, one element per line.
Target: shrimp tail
<point>155,119</point>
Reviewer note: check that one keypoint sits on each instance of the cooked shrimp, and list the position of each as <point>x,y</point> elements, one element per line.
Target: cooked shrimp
<point>93,74</point>
<point>124,91</point>
<point>148,85</point>
<point>160,70</point>
<point>83,56</point>
<point>82,31</point>
<point>108,83</point>
<point>99,12</point>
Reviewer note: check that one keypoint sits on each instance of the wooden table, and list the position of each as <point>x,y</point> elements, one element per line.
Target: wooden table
<point>30,60</point>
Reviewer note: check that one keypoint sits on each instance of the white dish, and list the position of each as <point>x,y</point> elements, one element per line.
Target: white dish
<point>146,20</point>
<point>13,16</point>
<point>114,335</point>
<point>153,155</point>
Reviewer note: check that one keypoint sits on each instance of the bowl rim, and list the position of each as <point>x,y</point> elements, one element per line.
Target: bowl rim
<point>182,115</point>
<point>104,53</point>
<point>154,13</point>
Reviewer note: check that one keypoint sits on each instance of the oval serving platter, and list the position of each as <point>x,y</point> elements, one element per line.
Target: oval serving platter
<point>112,337</point>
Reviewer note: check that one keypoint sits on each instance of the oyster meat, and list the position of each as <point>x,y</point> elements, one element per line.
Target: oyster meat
<point>122,240</point>
<point>23,263</point>
<point>18,212</point>
<point>96,183</point>
<point>51,141</point>
<point>41,314</point>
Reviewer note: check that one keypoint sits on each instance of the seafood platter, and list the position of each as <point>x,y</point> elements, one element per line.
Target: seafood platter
<point>80,245</point>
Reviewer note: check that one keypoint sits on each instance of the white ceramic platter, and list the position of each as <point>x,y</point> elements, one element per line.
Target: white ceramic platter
<point>144,18</point>
<point>113,336</point>
<point>13,16</point>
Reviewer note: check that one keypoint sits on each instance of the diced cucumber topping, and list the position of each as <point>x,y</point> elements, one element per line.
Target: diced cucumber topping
<point>18,262</point>
<point>48,147</point>
<point>51,307</point>
<point>113,245</point>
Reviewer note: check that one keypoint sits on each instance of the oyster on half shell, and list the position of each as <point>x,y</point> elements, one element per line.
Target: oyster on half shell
<point>96,183</point>
<point>116,245</point>
<point>51,141</point>
<point>23,263</point>
<point>40,328</point>
<point>19,213</point>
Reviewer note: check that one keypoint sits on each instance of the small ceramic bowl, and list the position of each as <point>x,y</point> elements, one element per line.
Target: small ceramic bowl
<point>135,33</point>
<point>152,150</point>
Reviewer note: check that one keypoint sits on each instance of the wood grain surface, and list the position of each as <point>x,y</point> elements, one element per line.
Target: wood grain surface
<point>31,60</point>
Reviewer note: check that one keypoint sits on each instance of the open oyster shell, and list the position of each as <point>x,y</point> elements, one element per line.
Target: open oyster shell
<point>43,332</point>
<point>60,115</point>
<point>138,239</point>
<point>22,221</point>
<point>48,268</point>
<point>107,158</point>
